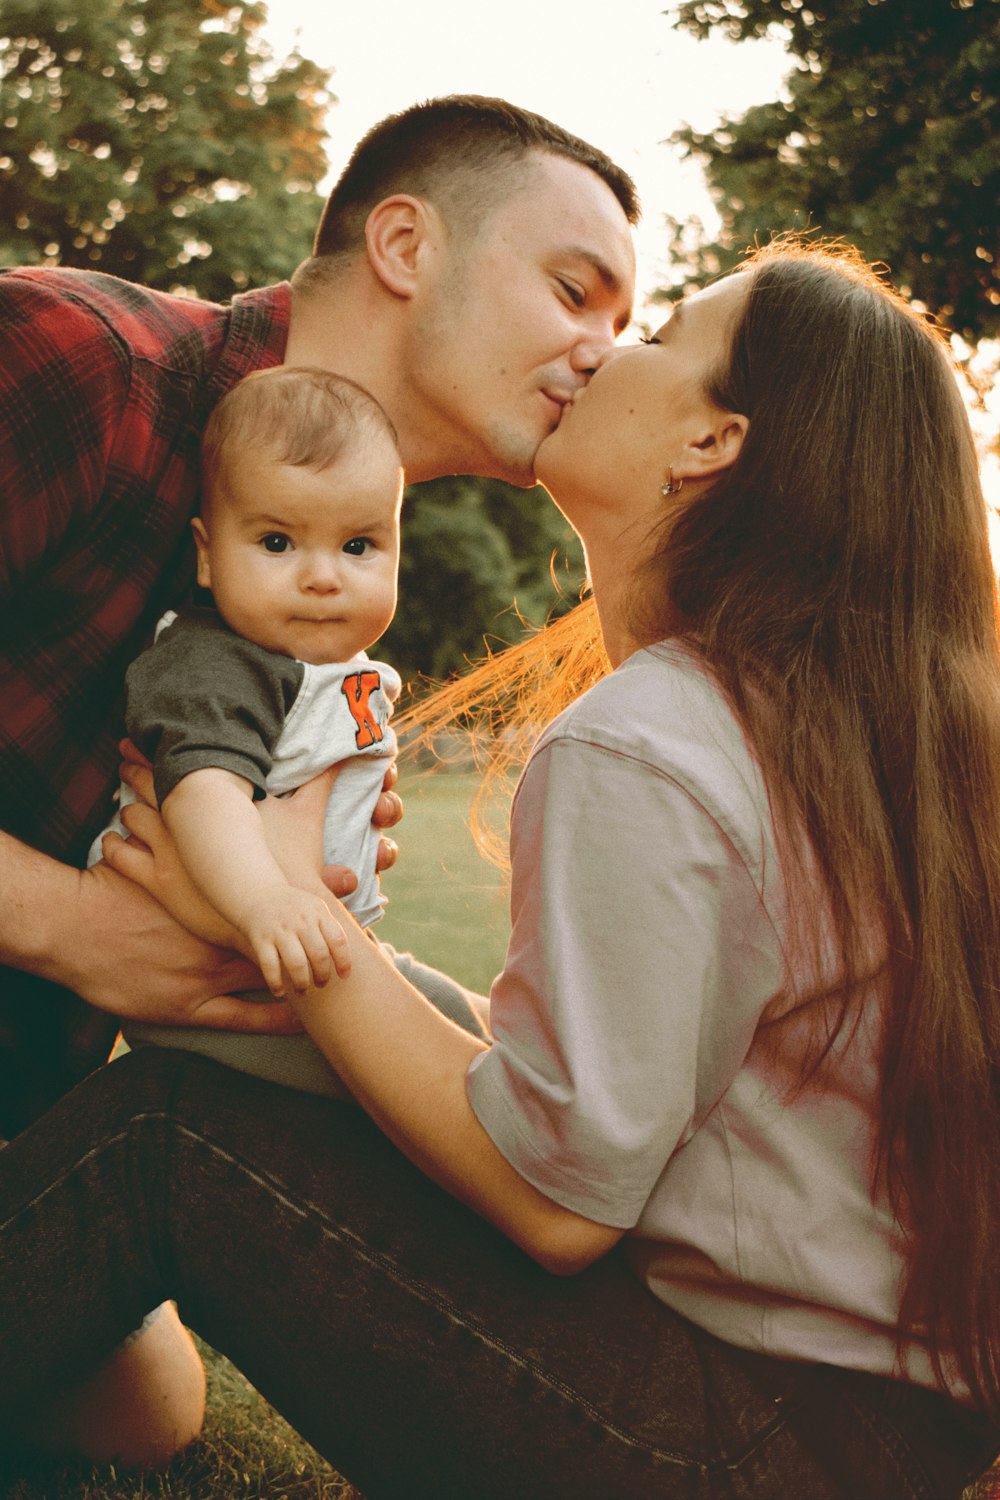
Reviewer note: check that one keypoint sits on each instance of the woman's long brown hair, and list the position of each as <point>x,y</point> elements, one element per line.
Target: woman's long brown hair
<point>838,582</point>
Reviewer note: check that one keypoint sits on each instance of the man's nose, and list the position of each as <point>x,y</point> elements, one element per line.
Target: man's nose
<point>610,353</point>
<point>590,352</point>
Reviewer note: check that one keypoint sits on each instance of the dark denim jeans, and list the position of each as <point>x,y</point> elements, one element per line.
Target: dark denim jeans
<point>407,1339</point>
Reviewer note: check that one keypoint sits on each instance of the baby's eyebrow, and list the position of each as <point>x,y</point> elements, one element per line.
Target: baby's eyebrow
<point>261,518</point>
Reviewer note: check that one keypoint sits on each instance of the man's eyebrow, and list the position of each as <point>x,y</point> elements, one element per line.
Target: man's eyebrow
<point>611,280</point>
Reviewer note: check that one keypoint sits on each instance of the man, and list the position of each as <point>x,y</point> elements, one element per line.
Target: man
<point>472,265</point>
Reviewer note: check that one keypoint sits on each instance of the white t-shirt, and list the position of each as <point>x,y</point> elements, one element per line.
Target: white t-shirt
<point>651,1024</point>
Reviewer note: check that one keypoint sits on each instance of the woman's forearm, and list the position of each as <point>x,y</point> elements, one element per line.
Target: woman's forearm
<point>406,1064</point>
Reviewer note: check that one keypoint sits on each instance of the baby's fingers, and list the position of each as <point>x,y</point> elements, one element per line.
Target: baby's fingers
<point>337,945</point>
<point>269,963</point>
<point>296,961</point>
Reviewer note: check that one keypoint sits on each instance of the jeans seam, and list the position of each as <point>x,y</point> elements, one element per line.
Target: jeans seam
<point>51,1187</point>
<point>434,1298</point>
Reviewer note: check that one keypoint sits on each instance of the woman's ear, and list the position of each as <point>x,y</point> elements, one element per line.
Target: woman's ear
<point>201,543</point>
<point>715,448</point>
<point>398,233</point>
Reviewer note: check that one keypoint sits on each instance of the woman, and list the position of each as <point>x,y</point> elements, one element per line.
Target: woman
<point>741,1095</point>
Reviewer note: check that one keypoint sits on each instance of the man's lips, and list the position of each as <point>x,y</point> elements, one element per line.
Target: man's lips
<point>559,400</point>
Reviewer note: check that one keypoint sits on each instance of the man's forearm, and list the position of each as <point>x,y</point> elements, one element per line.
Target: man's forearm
<point>38,915</point>
<point>109,941</point>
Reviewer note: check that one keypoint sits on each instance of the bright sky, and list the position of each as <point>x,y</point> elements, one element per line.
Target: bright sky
<point>616,73</point>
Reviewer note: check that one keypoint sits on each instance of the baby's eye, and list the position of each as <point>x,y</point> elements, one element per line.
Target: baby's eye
<point>276,541</point>
<point>357,546</point>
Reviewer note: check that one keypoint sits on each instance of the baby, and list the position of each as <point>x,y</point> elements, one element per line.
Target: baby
<point>268,684</point>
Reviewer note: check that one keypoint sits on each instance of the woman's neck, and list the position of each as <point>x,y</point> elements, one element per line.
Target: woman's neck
<point>614,589</point>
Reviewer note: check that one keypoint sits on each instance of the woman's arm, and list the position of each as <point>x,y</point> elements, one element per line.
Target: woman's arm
<point>406,1064</point>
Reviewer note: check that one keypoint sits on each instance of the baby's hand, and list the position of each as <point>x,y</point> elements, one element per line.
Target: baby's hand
<point>293,932</point>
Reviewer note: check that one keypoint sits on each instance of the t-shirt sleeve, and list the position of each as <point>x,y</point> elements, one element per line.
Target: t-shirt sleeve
<point>63,388</point>
<point>639,961</point>
<point>199,700</point>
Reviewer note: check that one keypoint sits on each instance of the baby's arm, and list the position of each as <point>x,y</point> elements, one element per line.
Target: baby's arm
<point>218,833</point>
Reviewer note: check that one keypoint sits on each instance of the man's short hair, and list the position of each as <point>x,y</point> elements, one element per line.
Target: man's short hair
<point>296,414</point>
<point>461,153</point>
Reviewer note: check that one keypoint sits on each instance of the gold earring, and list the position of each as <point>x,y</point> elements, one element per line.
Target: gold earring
<point>668,487</point>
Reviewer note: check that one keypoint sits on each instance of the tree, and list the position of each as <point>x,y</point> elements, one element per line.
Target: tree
<point>475,563</point>
<point>158,140</point>
<point>887,137</point>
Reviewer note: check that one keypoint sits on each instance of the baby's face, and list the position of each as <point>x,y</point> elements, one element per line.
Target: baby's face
<point>304,563</point>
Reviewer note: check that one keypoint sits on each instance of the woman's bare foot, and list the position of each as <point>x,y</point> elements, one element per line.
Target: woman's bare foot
<point>140,1408</point>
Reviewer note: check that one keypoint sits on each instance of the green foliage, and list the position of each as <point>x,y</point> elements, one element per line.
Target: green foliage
<point>887,137</point>
<point>157,140</point>
<point>470,548</point>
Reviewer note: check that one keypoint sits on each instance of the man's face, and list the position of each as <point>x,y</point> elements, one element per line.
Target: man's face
<point>515,317</point>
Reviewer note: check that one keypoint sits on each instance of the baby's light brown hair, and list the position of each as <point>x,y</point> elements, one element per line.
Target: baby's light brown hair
<point>296,414</point>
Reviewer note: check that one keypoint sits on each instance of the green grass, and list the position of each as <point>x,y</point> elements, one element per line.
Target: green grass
<point>447,906</point>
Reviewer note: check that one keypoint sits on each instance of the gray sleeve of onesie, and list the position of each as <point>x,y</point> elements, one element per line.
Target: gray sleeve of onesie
<point>206,698</point>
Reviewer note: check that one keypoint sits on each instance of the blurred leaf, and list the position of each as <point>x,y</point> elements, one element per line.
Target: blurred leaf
<point>473,549</point>
<point>887,136</point>
<point>157,140</point>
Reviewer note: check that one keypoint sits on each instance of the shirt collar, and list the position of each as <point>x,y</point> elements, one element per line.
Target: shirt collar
<point>255,338</point>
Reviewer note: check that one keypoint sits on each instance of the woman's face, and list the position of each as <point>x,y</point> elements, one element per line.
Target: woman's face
<point>645,412</point>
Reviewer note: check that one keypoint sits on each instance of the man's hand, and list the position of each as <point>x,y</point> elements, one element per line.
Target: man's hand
<point>130,957</point>
<point>388,812</point>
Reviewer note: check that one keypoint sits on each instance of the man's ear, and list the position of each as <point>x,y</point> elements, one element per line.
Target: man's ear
<point>714,448</point>
<point>399,233</point>
<point>201,543</point>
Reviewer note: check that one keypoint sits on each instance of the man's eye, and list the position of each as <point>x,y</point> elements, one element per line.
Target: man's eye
<point>573,292</point>
<point>275,541</point>
<point>357,546</point>
<point>649,341</point>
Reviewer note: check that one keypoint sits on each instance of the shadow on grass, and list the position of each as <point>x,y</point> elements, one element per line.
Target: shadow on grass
<point>247,1452</point>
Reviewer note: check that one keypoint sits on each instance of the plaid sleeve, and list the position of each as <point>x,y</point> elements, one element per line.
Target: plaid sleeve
<point>63,386</point>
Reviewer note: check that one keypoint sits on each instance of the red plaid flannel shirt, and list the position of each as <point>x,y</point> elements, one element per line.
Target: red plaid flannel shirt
<point>104,390</point>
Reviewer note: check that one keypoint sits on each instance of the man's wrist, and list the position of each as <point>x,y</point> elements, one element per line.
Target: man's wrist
<point>40,910</point>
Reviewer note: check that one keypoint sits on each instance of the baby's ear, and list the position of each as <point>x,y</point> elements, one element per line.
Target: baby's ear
<point>201,543</point>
